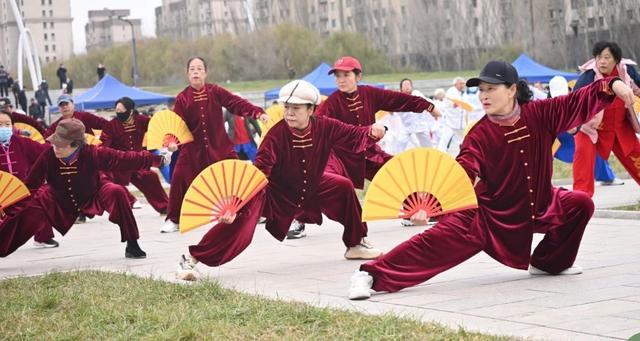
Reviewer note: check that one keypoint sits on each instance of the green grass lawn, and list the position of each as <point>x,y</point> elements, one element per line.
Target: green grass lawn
<point>264,85</point>
<point>97,305</point>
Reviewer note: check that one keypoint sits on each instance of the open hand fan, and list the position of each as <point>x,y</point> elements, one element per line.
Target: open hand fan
<point>224,186</point>
<point>91,139</point>
<point>34,134</point>
<point>275,113</point>
<point>165,127</point>
<point>12,190</point>
<point>462,104</point>
<point>418,179</point>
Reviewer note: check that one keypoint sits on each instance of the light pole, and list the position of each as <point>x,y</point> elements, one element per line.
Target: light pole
<point>135,55</point>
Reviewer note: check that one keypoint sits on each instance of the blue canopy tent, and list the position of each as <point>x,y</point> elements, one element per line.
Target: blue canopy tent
<point>108,90</point>
<point>535,72</point>
<point>320,78</point>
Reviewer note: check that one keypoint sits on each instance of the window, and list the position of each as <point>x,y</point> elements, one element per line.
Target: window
<point>46,36</point>
<point>589,3</point>
<point>53,36</point>
<point>53,47</point>
<point>630,14</point>
<point>333,23</point>
<point>601,21</point>
<point>474,3</point>
<point>44,13</point>
<point>51,24</point>
<point>50,2</point>
<point>46,48</point>
<point>50,12</point>
<point>44,25</point>
<point>591,22</point>
<point>47,59</point>
<point>42,2</point>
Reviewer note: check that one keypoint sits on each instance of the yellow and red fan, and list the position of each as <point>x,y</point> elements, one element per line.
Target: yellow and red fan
<point>12,190</point>
<point>462,104</point>
<point>224,186</point>
<point>92,139</point>
<point>165,127</point>
<point>34,134</point>
<point>418,179</point>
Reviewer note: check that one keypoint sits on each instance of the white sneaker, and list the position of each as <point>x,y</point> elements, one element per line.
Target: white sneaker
<point>364,250</point>
<point>187,269</point>
<point>169,227</point>
<point>407,223</point>
<point>361,283</point>
<point>614,182</point>
<point>573,270</point>
<point>136,205</point>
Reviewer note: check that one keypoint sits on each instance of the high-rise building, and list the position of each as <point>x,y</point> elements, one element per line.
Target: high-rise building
<point>428,34</point>
<point>105,29</point>
<point>49,22</point>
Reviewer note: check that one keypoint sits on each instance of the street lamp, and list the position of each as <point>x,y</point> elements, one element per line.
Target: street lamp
<point>135,56</point>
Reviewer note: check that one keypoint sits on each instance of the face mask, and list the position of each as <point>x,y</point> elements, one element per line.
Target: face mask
<point>122,116</point>
<point>5,134</point>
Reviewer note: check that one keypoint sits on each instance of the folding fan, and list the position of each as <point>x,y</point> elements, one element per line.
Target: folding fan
<point>165,127</point>
<point>12,190</point>
<point>636,105</point>
<point>34,134</point>
<point>144,140</point>
<point>418,179</point>
<point>462,104</point>
<point>224,186</point>
<point>275,113</point>
<point>91,139</point>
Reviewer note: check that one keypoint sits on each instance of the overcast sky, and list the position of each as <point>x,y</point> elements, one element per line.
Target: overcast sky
<point>144,10</point>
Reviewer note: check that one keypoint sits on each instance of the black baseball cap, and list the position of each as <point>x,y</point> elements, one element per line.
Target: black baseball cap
<point>495,72</point>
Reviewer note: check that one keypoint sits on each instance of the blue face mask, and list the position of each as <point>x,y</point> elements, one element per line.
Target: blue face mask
<point>5,134</point>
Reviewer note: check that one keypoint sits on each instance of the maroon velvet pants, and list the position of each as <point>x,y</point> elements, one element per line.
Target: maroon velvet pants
<point>335,196</point>
<point>448,244</point>
<point>36,213</point>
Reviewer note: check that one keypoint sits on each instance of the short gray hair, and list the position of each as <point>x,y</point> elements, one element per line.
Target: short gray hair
<point>457,79</point>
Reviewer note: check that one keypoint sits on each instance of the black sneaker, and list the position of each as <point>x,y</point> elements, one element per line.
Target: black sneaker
<point>133,250</point>
<point>47,243</point>
<point>296,231</point>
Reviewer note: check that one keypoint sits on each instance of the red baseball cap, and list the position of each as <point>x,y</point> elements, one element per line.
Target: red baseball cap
<point>346,63</point>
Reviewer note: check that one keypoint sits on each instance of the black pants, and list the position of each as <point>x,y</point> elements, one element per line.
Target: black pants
<point>4,90</point>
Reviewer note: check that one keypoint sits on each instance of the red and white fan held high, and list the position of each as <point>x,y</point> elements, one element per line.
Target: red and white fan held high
<point>12,190</point>
<point>225,186</point>
<point>165,127</point>
<point>418,179</point>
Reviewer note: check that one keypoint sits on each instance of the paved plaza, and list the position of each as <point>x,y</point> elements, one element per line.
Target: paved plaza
<point>479,295</point>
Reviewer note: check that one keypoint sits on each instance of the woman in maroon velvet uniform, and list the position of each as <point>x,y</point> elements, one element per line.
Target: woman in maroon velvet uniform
<point>507,155</point>
<point>126,132</point>
<point>293,155</point>
<point>71,169</point>
<point>200,106</point>
<point>357,105</point>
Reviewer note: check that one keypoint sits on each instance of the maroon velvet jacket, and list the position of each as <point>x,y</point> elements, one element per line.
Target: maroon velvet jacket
<point>90,121</point>
<point>22,118</point>
<point>127,137</point>
<point>18,157</point>
<point>359,109</point>
<point>202,111</point>
<point>294,163</point>
<point>513,165</point>
<point>70,187</point>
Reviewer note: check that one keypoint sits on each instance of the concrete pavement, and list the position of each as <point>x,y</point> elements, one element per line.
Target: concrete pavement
<point>479,295</point>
